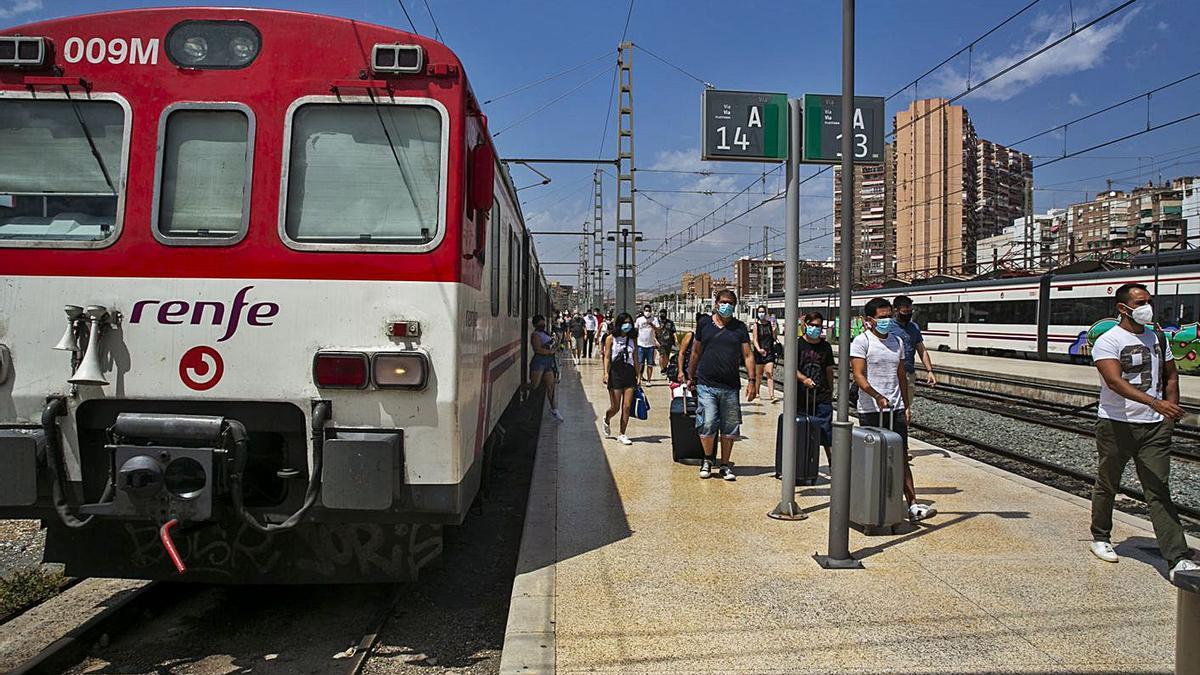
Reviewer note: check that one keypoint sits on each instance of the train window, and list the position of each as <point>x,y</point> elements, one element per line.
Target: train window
<point>1003,311</point>
<point>1175,310</point>
<point>62,167</point>
<point>1081,311</point>
<point>513,274</point>
<point>204,174</point>
<point>365,175</point>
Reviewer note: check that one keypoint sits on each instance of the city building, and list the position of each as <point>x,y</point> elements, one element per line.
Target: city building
<point>813,274</point>
<point>1120,224</point>
<point>952,188</point>
<point>1190,207</point>
<point>757,276</point>
<point>1026,244</point>
<point>561,296</point>
<point>874,219</point>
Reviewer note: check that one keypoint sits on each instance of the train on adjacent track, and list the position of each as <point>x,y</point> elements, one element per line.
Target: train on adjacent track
<point>1046,317</point>
<point>265,298</point>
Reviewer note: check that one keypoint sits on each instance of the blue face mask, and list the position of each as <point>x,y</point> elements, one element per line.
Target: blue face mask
<point>725,309</point>
<point>883,326</point>
<point>626,327</point>
<point>813,332</point>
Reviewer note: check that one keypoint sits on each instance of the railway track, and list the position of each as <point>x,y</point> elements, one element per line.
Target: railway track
<point>1008,407</point>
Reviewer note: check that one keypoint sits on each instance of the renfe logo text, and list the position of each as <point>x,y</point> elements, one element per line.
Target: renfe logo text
<point>179,312</point>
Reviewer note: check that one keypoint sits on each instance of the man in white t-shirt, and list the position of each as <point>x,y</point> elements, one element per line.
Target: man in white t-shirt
<point>877,362</point>
<point>647,325</point>
<point>589,327</point>
<point>1139,404</point>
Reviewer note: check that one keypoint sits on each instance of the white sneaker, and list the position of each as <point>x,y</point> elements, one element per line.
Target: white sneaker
<point>555,414</point>
<point>607,429</point>
<point>918,512</point>
<point>624,440</point>
<point>1104,551</point>
<point>1184,565</point>
<point>706,468</point>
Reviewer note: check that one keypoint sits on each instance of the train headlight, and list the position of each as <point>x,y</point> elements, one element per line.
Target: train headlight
<point>393,58</point>
<point>407,370</point>
<point>17,51</point>
<point>213,44</point>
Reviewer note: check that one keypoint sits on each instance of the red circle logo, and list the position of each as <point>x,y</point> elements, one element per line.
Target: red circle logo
<point>201,368</point>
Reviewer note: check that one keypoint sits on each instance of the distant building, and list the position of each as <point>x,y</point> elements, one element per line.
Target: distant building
<point>874,219</point>
<point>814,274</point>
<point>697,285</point>
<point>952,189</point>
<point>757,276</point>
<point>1125,223</point>
<point>1025,244</point>
<point>1190,207</point>
<point>561,295</point>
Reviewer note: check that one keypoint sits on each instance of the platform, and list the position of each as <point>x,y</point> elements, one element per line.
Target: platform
<point>631,563</point>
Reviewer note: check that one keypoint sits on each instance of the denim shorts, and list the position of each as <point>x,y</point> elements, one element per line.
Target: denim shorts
<point>646,355</point>
<point>717,409</point>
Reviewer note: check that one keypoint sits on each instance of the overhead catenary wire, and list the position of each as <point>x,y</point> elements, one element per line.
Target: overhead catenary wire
<point>707,84</point>
<point>437,32</point>
<point>552,101</point>
<point>408,16</point>
<point>548,78</point>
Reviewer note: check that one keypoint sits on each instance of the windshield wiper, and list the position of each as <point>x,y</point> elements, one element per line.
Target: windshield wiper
<point>404,175</point>
<point>87,133</point>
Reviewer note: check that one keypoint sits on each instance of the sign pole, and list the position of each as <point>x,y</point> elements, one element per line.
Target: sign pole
<point>838,556</point>
<point>787,509</point>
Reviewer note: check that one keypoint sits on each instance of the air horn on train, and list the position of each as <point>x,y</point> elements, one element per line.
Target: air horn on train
<point>70,341</point>
<point>89,371</point>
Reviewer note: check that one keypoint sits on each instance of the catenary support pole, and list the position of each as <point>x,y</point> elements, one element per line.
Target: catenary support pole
<point>787,509</point>
<point>838,554</point>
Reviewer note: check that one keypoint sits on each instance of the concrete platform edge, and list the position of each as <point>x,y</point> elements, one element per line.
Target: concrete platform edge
<point>529,636</point>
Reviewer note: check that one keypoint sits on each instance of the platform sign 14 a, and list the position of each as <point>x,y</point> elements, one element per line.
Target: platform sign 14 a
<point>823,129</point>
<point>744,125</point>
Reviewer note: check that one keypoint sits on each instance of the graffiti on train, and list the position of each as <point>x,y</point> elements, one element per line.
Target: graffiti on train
<point>1184,342</point>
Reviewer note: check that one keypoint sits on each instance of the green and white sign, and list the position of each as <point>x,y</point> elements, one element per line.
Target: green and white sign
<point>744,125</point>
<point>823,129</point>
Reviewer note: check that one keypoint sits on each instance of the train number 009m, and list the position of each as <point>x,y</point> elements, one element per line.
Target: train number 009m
<point>115,51</point>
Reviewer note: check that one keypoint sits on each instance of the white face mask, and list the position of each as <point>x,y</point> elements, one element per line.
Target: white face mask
<point>1143,314</point>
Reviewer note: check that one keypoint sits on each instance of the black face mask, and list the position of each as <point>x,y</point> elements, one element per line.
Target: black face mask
<point>904,317</point>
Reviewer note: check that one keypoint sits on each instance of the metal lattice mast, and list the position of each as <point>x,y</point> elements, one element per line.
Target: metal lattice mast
<point>626,244</point>
<point>584,277</point>
<point>597,240</point>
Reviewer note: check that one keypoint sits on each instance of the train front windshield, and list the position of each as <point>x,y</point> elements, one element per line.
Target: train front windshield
<point>60,164</point>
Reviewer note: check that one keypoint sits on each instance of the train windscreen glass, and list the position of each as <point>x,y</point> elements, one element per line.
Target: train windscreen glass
<point>364,174</point>
<point>204,171</point>
<point>60,169</point>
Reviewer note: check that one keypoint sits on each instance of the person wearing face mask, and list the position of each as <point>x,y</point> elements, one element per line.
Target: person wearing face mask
<point>814,371</point>
<point>877,362</point>
<point>762,340</point>
<point>621,373</point>
<point>720,346</point>
<point>543,367</point>
<point>1139,405</point>
<point>666,341</point>
<point>909,332</point>
<point>646,325</point>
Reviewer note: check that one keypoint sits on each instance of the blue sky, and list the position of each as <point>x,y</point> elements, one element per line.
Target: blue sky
<point>792,47</point>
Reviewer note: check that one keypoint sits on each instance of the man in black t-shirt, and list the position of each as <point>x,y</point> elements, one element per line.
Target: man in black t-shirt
<point>814,370</point>
<point>720,346</point>
<point>666,340</point>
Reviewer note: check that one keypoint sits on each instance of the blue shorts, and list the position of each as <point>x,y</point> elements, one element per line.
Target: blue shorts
<point>717,409</point>
<point>824,415</point>
<point>646,355</point>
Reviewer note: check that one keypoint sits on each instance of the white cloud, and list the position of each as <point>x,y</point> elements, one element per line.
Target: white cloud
<point>1074,99</point>
<point>1086,50</point>
<point>1164,26</point>
<point>14,7</point>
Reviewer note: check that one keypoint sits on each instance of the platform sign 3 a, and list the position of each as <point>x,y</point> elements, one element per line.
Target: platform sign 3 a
<point>744,125</point>
<point>823,129</point>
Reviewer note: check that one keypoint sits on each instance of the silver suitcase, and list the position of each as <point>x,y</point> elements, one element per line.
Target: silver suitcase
<point>877,478</point>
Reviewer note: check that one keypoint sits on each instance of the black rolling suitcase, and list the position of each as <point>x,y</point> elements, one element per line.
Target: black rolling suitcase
<point>808,446</point>
<point>685,440</point>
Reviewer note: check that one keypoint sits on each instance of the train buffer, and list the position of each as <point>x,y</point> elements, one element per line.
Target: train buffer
<point>631,563</point>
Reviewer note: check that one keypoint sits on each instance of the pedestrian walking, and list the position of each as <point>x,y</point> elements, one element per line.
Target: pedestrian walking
<point>577,333</point>
<point>666,341</point>
<point>590,324</point>
<point>1139,405</point>
<point>762,339</point>
<point>814,372</point>
<point>720,346</point>
<point>877,361</point>
<point>685,347</point>
<point>909,332</point>
<point>621,374</point>
<point>543,366</point>
<point>647,326</point>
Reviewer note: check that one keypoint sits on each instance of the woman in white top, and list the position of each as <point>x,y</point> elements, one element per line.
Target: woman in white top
<point>621,372</point>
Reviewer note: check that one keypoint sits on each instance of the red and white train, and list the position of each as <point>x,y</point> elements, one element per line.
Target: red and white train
<point>263,282</point>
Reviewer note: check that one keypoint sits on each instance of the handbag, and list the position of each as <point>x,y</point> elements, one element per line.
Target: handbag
<point>640,408</point>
